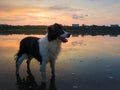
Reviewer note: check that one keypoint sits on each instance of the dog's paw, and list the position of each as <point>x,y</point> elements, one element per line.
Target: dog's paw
<point>42,86</point>
<point>53,75</point>
<point>17,72</point>
<point>43,83</point>
<point>43,80</point>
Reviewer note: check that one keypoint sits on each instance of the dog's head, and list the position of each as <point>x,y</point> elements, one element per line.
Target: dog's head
<point>57,31</point>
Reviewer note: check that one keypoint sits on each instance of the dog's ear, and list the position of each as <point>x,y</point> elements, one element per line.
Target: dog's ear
<point>51,33</point>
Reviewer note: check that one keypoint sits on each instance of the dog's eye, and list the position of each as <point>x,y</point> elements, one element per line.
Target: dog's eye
<point>60,31</point>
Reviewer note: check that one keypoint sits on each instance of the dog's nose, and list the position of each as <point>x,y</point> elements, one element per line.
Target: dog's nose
<point>68,35</point>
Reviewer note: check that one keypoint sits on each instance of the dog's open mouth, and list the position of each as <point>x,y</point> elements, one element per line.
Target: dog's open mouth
<point>63,39</point>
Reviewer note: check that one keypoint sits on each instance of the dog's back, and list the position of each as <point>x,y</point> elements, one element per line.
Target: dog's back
<point>29,46</point>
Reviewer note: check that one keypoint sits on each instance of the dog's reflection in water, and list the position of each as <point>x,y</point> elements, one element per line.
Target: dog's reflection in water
<point>30,84</point>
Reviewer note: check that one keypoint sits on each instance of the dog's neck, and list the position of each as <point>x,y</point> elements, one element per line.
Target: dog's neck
<point>55,41</point>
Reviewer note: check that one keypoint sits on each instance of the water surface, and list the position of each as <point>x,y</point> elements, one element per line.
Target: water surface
<point>85,63</point>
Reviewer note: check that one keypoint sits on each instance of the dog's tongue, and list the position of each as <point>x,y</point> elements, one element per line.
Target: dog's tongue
<point>63,39</point>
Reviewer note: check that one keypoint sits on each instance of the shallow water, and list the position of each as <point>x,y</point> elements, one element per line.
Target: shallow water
<point>85,63</point>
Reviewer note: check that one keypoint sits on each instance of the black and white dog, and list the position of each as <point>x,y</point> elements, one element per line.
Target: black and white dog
<point>44,50</point>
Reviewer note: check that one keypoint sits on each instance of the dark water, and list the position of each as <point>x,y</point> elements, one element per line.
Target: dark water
<point>85,63</point>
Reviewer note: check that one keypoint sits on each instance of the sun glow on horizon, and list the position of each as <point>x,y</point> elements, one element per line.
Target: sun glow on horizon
<point>65,12</point>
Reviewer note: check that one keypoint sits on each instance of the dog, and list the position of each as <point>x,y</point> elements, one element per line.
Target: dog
<point>44,49</point>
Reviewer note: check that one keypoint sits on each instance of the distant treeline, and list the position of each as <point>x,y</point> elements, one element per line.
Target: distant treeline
<point>82,30</point>
<point>95,30</point>
<point>22,29</point>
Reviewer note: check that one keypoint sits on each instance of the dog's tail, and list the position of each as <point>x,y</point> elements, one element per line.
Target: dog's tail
<point>17,55</point>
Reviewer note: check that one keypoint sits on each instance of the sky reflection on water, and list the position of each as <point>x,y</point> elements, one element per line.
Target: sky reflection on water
<point>85,63</point>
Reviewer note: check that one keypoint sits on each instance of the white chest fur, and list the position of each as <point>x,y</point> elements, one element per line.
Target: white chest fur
<point>49,50</point>
<point>54,48</point>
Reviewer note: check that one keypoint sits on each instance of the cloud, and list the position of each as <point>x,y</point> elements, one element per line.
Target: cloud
<point>11,19</point>
<point>5,8</point>
<point>24,18</point>
<point>63,8</point>
<point>116,6</point>
<point>36,4</point>
<point>20,4</point>
<point>75,16</point>
<point>91,0</point>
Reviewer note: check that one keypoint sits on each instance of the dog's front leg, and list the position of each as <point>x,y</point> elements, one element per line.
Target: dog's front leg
<point>52,65</point>
<point>45,58</point>
<point>43,72</point>
<point>43,67</point>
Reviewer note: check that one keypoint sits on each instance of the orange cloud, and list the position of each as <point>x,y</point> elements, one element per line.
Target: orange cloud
<point>25,16</point>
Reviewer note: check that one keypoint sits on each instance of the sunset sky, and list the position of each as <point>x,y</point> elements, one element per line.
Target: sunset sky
<point>67,12</point>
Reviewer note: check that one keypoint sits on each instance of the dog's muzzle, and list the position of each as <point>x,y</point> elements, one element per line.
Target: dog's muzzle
<point>68,35</point>
<point>64,36</point>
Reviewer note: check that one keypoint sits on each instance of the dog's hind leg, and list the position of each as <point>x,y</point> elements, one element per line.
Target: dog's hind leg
<point>28,64</point>
<point>19,62</point>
